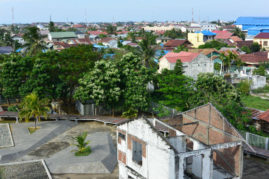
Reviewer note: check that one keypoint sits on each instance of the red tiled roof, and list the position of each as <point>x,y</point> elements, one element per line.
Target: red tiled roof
<point>172,57</point>
<point>123,32</point>
<point>240,44</point>
<point>264,116</point>
<point>97,32</point>
<point>175,43</point>
<point>262,35</point>
<point>236,39</point>
<point>255,58</point>
<point>63,44</point>
<point>222,34</point>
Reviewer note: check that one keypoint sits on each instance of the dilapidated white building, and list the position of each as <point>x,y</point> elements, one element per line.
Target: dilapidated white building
<point>199,143</point>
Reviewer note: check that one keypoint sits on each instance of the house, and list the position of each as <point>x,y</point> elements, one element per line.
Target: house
<point>196,39</point>
<point>6,50</point>
<point>172,44</point>
<point>60,46</point>
<point>208,26</point>
<point>253,25</point>
<point>193,63</point>
<point>199,143</point>
<point>263,121</point>
<point>263,40</point>
<point>109,42</point>
<point>59,36</point>
<point>223,35</point>
<point>240,44</point>
<point>253,60</point>
<point>94,35</point>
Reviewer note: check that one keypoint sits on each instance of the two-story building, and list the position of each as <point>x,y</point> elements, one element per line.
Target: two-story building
<point>263,40</point>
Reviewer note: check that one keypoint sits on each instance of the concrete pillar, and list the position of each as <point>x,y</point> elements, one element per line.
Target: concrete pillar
<point>17,120</point>
<point>181,168</point>
<point>207,167</point>
<point>247,137</point>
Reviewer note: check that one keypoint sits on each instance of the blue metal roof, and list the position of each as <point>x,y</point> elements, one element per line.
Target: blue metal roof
<point>252,21</point>
<point>206,33</point>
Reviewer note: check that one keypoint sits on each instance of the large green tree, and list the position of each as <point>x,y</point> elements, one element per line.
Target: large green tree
<point>100,85</point>
<point>175,90</point>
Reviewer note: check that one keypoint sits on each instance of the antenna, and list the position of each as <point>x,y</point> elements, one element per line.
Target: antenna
<point>50,18</point>
<point>12,14</point>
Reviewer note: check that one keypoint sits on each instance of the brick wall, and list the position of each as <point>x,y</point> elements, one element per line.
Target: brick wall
<point>122,157</point>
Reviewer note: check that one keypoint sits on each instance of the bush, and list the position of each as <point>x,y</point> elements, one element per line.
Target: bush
<point>244,87</point>
<point>13,108</point>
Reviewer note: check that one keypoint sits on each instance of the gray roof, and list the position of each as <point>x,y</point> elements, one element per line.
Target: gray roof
<point>63,35</point>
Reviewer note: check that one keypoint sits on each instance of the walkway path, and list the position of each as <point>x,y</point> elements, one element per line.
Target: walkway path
<point>25,143</point>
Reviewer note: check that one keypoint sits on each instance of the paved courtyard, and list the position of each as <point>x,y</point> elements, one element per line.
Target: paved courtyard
<point>54,143</point>
<point>5,136</point>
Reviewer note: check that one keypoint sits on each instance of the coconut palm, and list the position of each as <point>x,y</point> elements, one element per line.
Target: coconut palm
<point>146,47</point>
<point>33,107</point>
<point>34,43</point>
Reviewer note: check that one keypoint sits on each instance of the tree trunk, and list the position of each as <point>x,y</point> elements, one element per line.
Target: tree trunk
<point>35,122</point>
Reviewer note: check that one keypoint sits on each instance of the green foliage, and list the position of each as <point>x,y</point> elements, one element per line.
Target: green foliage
<point>246,49</point>
<point>213,44</point>
<point>239,33</point>
<point>33,41</point>
<point>175,89</point>
<point>244,87</point>
<point>261,70</point>
<point>162,111</point>
<point>181,48</point>
<point>217,66</point>
<point>214,89</point>
<point>130,113</point>
<point>82,145</point>
<point>113,88</point>
<point>13,108</point>
<point>255,47</point>
<point>102,36</point>
<point>101,85</point>
<point>33,106</point>
<point>147,52</point>
<point>111,29</point>
<point>174,34</point>
<point>255,102</point>
<point>261,90</point>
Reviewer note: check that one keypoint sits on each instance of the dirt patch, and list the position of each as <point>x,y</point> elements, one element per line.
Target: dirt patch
<point>49,149</point>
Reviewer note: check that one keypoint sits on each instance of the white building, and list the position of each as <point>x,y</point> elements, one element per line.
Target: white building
<point>193,63</point>
<point>152,149</point>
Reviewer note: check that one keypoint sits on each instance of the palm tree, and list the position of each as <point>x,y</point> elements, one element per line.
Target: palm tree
<point>34,43</point>
<point>146,47</point>
<point>32,106</point>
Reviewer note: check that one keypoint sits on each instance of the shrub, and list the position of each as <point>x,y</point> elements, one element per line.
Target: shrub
<point>13,108</point>
<point>82,148</point>
<point>244,87</point>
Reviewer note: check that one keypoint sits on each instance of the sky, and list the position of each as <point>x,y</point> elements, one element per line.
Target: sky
<point>28,11</point>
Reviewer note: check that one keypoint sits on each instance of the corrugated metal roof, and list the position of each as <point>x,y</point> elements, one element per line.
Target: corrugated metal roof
<point>252,21</point>
<point>207,33</point>
<point>59,35</point>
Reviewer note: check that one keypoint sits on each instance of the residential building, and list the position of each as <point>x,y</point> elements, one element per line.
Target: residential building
<point>172,44</point>
<point>193,63</point>
<point>199,143</point>
<point>196,39</point>
<point>60,36</point>
<point>263,40</point>
<point>208,27</point>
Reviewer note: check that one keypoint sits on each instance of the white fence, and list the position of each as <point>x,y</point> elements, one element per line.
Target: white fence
<point>256,140</point>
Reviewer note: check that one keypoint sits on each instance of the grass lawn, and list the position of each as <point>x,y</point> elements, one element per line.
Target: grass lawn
<point>255,102</point>
<point>33,129</point>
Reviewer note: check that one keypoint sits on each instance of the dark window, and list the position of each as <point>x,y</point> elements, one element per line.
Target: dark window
<point>265,43</point>
<point>137,152</point>
<point>122,136</point>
